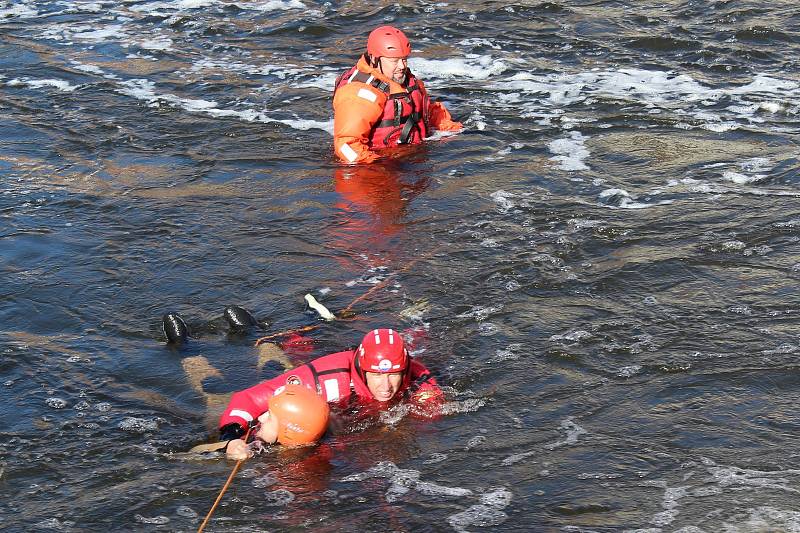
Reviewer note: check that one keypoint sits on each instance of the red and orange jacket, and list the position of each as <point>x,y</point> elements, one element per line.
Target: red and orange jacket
<point>371,112</point>
<point>335,376</point>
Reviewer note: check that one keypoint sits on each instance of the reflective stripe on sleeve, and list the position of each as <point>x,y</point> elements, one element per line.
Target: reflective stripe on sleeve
<point>366,94</point>
<point>241,414</point>
<point>348,152</point>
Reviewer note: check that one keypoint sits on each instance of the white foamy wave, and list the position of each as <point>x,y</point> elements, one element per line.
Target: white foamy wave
<point>464,406</point>
<point>273,5</point>
<point>157,43</point>
<point>751,171</point>
<point>477,515</point>
<point>475,67</point>
<point>499,497</point>
<point>278,498</point>
<point>155,520</point>
<point>267,480</point>
<point>512,352</point>
<point>142,89</point>
<point>517,457</point>
<point>503,199</point>
<point>139,425</point>
<point>629,371</point>
<point>176,5</point>
<point>477,41</point>
<point>433,489</point>
<point>186,512</point>
<point>574,431</point>
<point>405,482</point>
<point>766,519</point>
<point>481,313</point>
<point>56,403</point>
<point>91,35</point>
<point>24,9</point>
<point>726,482</point>
<point>572,336</point>
<point>621,199</point>
<point>680,94</point>
<point>91,69</point>
<point>282,71</point>
<point>570,152</point>
<point>61,85</point>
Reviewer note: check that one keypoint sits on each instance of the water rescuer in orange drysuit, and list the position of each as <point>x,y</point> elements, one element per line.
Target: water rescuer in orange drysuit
<point>379,103</point>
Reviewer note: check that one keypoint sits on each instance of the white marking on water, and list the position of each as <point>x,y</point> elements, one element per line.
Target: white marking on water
<point>570,152</point>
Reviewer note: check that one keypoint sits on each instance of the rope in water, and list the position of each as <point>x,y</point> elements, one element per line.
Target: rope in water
<point>344,312</point>
<point>341,313</point>
<point>224,487</point>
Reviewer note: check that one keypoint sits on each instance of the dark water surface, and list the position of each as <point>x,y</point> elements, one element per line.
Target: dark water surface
<point>606,263</point>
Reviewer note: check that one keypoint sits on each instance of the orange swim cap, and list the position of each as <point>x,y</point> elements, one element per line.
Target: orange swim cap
<point>302,415</point>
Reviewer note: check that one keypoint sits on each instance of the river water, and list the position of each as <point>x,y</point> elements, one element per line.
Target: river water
<point>601,269</point>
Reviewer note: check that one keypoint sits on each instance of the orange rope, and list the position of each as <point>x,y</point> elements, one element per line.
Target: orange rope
<point>287,332</point>
<point>346,310</point>
<point>224,488</point>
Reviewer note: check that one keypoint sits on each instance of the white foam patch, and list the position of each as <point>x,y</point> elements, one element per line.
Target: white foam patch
<point>273,5</point>
<point>277,498</point>
<point>477,41</point>
<point>157,43</point>
<point>615,198</point>
<point>145,90</point>
<point>403,482</point>
<point>570,152</point>
<point>153,520</point>
<point>751,171</point>
<point>477,120</point>
<point>139,425</point>
<point>56,403</point>
<point>574,431</point>
<point>61,85</point>
<point>176,5</point>
<point>571,337</point>
<point>725,483</point>
<point>472,66</point>
<point>281,71</point>
<point>323,82</point>
<point>477,515</point>
<point>503,200</point>
<point>17,9</point>
<point>767,519</point>
<point>680,94</point>
<point>91,69</point>
<point>481,313</point>
<point>99,35</point>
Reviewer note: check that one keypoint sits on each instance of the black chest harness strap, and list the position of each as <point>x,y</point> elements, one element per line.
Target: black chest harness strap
<point>408,122</point>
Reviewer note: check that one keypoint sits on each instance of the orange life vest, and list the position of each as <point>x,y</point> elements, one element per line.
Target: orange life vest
<point>405,115</point>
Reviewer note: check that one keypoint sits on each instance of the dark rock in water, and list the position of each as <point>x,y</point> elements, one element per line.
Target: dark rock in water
<point>175,328</point>
<point>239,319</point>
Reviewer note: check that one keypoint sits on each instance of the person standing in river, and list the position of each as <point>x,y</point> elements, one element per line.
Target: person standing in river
<point>379,103</point>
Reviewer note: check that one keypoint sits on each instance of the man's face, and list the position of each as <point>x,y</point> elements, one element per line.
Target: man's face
<point>395,68</point>
<point>384,386</point>
<point>268,430</point>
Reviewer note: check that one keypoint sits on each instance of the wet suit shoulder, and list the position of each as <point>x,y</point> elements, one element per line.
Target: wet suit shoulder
<point>329,375</point>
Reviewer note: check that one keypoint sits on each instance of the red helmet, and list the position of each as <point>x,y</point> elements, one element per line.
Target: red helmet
<point>382,351</point>
<point>302,415</point>
<point>388,41</point>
